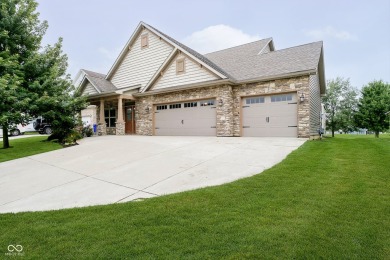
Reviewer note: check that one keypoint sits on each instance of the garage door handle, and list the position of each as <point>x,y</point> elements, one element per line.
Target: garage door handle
<point>267,119</point>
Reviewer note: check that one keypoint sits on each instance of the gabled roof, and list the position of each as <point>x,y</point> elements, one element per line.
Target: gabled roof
<point>188,51</point>
<point>99,81</point>
<point>193,53</point>
<point>243,63</point>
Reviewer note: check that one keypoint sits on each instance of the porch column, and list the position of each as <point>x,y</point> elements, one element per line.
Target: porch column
<point>120,123</point>
<point>120,111</point>
<point>102,123</point>
<point>101,118</point>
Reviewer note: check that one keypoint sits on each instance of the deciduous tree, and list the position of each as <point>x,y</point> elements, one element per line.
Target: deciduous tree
<point>33,80</point>
<point>21,33</point>
<point>340,102</point>
<point>373,106</point>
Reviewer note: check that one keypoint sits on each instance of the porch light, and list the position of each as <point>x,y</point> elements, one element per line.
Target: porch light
<point>302,97</point>
<point>220,102</point>
<point>147,109</point>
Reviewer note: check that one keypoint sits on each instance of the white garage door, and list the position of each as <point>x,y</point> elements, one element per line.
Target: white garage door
<point>186,118</point>
<point>275,115</point>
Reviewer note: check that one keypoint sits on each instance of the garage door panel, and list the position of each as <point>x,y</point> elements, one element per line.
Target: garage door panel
<point>283,131</point>
<point>186,121</point>
<point>282,121</point>
<point>277,116</point>
<point>256,131</point>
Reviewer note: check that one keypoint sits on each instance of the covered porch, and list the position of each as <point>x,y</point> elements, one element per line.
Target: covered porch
<point>115,114</point>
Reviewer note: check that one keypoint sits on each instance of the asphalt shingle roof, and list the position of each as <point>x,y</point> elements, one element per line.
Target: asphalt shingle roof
<point>99,80</point>
<point>243,63</point>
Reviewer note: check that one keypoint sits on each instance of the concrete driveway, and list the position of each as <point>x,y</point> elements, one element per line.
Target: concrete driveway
<point>111,169</point>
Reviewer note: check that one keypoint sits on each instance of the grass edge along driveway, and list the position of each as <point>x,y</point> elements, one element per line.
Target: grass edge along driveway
<point>327,199</point>
<point>24,147</point>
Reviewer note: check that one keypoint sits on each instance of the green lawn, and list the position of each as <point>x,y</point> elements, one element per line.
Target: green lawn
<point>329,199</point>
<point>26,146</point>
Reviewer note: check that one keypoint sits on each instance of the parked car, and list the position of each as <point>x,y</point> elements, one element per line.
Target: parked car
<point>42,126</point>
<point>19,129</point>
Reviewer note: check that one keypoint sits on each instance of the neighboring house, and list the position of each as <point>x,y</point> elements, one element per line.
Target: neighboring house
<point>158,86</point>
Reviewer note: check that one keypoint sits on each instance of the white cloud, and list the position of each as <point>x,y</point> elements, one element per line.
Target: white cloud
<point>217,37</point>
<point>330,32</point>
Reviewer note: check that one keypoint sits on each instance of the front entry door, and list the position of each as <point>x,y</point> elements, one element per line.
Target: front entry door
<point>130,120</point>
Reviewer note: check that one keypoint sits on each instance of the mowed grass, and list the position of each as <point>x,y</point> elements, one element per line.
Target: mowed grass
<point>26,146</point>
<point>329,199</point>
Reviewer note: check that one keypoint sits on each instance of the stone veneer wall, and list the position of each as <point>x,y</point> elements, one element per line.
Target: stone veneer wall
<point>297,84</point>
<point>101,128</point>
<point>111,130</point>
<point>228,102</point>
<point>120,128</point>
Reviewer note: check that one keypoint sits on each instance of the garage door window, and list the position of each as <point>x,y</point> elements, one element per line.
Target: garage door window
<point>255,100</point>
<point>174,106</point>
<point>281,98</point>
<point>206,103</point>
<point>162,107</point>
<point>191,104</point>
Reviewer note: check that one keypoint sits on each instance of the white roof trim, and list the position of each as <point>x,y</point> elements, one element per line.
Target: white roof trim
<point>90,81</point>
<point>270,44</point>
<point>133,37</point>
<point>124,50</point>
<point>77,76</point>
<point>120,91</point>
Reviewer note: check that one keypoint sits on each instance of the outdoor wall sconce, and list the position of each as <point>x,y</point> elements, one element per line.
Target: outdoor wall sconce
<point>147,109</point>
<point>302,97</point>
<point>220,102</point>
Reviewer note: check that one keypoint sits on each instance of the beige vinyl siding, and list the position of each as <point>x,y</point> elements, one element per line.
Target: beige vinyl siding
<point>193,73</point>
<point>140,64</point>
<point>89,89</point>
<point>315,104</point>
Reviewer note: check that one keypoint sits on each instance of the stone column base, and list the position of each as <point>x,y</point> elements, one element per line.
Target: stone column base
<point>102,130</point>
<point>120,128</point>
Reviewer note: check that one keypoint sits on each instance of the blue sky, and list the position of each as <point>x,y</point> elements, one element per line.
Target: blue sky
<point>356,34</point>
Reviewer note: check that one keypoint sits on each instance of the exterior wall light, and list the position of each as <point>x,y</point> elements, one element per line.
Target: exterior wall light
<point>147,109</point>
<point>220,102</point>
<point>302,97</point>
